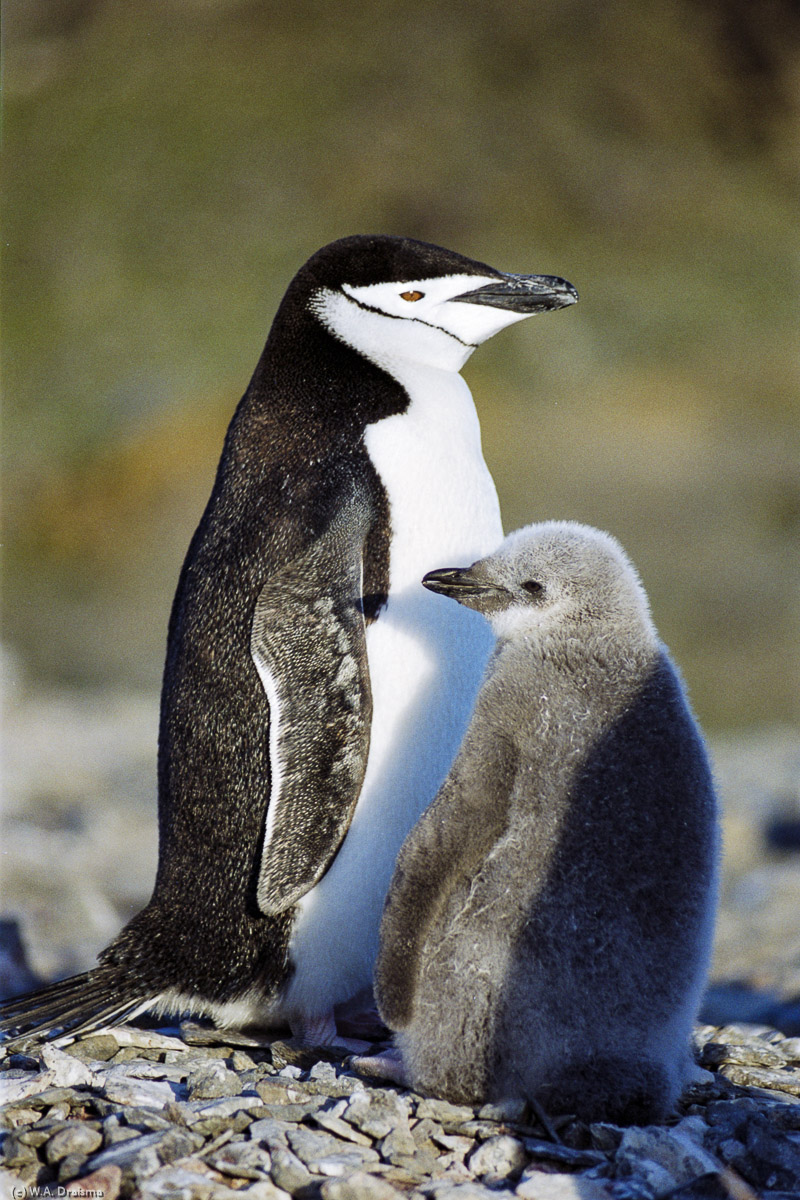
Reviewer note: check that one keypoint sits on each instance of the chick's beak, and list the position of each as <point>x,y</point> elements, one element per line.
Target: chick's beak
<point>457,582</point>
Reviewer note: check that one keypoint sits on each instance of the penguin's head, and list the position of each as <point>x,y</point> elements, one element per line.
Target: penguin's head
<point>397,300</point>
<point>558,573</point>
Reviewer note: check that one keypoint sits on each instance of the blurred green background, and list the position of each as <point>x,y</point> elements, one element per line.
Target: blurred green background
<point>171,163</point>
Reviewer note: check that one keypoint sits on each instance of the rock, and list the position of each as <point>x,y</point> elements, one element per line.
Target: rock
<point>761,1054</point>
<point>358,1186</point>
<point>16,1153</point>
<point>342,1163</point>
<point>665,1158</point>
<point>340,1128</point>
<point>398,1146</point>
<point>452,1189</point>
<point>312,1148</point>
<point>269,1132</point>
<point>242,1160</point>
<point>212,1081</point>
<point>376,1113</point>
<point>100,1047</point>
<point>773,1161</point>
<point>125,1089</point>
<point>762,1077</point>
<point>287,1171</point>
<point>444,1112</point>
<point>62,1071</point>
<point>172,1182</point>
<point>497,1158</point>
<point>538,1186</point>
<point>105,1182</point>
<point>73,1138</point>
<point>122,1154</point>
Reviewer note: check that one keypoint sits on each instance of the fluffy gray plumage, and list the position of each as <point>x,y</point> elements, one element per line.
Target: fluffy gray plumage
<point>548,928</point>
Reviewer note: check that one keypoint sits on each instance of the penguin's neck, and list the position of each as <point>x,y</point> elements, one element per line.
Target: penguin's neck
<point>442,498</point>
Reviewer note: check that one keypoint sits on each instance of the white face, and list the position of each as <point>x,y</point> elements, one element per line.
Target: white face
<point>417,321</point>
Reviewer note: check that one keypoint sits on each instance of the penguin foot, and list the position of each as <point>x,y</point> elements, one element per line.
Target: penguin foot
<point>386,1065</point>
<point>358,1018</point>
<point>321,1031</point>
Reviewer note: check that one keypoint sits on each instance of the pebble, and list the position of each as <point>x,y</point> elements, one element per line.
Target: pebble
<point>538,1186</point>
<point>358,1186</point>
<point>211,1081</point>
<point>105,1182</point>
<point>665,1158</point>
<point>376,1114</point>
<point>74,1137</point>
<point>212,1122</point>
<point>497,1158</point>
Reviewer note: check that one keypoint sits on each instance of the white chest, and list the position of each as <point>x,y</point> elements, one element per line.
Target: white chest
<point>442,498</point>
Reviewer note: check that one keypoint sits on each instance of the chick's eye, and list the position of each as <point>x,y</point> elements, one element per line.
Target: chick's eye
<point>411,296</point>
<point>533,587</point>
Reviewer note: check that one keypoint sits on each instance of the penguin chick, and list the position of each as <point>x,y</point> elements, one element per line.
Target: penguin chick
<point>303,658</point>
<point>548,927</point>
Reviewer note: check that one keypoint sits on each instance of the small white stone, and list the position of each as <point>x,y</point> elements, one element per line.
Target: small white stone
<point>562,1187</point>
<point>497,1157</point>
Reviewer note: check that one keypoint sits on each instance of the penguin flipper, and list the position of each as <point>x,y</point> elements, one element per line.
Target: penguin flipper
<point>309,647</point>
<point>434,860</point>
<point>79,1004</point>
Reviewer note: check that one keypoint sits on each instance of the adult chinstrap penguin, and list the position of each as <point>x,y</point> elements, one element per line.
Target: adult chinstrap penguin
<point>313,698</point>
<point>548,927</point>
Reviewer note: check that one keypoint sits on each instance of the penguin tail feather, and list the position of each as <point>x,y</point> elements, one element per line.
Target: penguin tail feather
<point>80,1004</point>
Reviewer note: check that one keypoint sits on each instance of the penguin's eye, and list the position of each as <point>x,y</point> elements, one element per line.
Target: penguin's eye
<point>533,587</point>
<point>411,296</point>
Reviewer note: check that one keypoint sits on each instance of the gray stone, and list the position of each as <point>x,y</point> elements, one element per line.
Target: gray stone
<point>342,1129</point>
<point>398,1146</point>
<point>665,1158</point>
<point>100,1047</point>
<point>76,1138</point>
<point>773,1160</point>
<point>426,1132</point>
<point>311,1148</point>
<point>539,1186</point>
<point>242,1160</point>
<point>454,1189</point>
<point>358,1186</point>
<point>124,1089</point>
<point>343,1163</point>
<point>105,1182</point>
<point>212,1081</point>
<point>761,1077</point>
<point>69,1166</point>
<point>122,1154</point>
<point>376,1113</point>
<point>753,1053</point>
<point>269,1132</point>
<point>17,1153</point>
<point>444,1112</point>
<point>287,1171</point>
<point>497,1158</point>
<point>224,1107</point>
<point>173,1182</point>
<point>323,1072</point>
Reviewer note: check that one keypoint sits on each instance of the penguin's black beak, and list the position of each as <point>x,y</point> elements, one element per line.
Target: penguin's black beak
<point>457,582</point>
<point>523,293</point>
